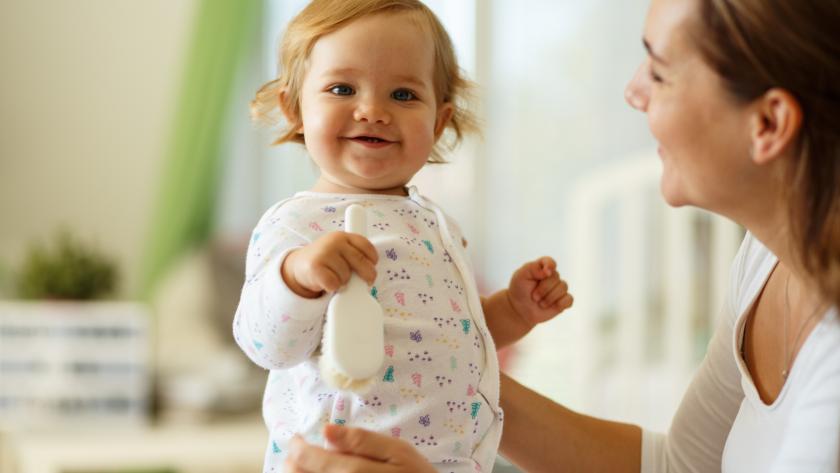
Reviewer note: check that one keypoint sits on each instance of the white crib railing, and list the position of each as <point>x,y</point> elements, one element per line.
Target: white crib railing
<point>648,282</point>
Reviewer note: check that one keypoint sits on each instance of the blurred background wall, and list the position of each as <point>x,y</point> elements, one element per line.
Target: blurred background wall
<point>87,95</point>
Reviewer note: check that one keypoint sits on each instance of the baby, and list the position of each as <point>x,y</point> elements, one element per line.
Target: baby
<point>370,86</point>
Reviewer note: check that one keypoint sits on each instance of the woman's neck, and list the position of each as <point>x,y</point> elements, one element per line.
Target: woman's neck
<point>774,232</point>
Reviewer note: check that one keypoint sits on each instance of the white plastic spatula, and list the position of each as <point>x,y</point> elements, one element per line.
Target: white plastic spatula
<point>352,349</point>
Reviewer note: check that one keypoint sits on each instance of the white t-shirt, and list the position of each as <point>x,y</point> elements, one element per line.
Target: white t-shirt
<point>438,388</point>
<point>722,423</point>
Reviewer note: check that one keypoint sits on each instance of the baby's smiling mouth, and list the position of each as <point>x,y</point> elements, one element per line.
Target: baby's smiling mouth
<point>370,140</point>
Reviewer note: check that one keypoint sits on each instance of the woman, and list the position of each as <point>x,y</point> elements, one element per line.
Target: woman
<point>744,99</point>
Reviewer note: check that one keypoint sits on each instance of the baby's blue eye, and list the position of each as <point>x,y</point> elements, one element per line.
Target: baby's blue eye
<point>403,95</point>
<point>342,90</point>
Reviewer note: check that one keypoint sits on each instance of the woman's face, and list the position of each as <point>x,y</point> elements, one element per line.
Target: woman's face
<point>702,132</point>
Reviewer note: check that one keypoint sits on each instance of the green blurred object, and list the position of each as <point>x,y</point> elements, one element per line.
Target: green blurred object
<point>4,280</point>
<point>68,270</point>
<point>186,203</point>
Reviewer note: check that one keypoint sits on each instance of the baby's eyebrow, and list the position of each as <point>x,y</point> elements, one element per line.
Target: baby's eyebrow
<point>410,79</point>
<point>339,71</point>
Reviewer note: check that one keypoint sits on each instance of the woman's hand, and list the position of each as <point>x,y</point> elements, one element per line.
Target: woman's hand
<point>355,451</point>
<point>537,293</point>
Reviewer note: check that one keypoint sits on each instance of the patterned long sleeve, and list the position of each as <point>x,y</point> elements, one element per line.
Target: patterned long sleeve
<point>275,327</point>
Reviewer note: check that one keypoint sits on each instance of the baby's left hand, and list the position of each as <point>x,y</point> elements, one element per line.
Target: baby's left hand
<point>537,293</point>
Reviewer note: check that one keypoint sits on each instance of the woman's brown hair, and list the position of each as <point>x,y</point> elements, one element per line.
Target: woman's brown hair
<point>756,45</point>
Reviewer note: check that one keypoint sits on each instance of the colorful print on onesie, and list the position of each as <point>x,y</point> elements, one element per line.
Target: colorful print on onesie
<point>439,386</point>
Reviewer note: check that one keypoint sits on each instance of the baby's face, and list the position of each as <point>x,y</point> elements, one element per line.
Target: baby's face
<point>369,112</point>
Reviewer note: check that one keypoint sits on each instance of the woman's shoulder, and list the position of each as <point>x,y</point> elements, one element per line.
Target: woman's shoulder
<point>814,422</point>
<point>823,361</point>
<point>750,269</point>
<point>754,261</point>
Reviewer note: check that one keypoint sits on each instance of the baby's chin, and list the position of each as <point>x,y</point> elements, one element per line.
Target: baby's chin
<point>397,189</point>
<point>359,185</point>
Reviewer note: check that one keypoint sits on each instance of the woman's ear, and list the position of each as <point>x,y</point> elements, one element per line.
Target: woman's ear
<point>444,114</point>
<point>289,111</point>
<point>775,125</point>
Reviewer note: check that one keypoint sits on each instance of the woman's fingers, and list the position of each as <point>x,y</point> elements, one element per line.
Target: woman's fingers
<point>306,458</point>
<point>394,454</point>
<point>355,451</point>
<point>361,442</point>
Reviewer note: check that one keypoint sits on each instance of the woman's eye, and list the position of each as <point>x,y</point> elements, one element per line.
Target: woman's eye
<point>342,90</point>
<point>403,95</point>
<point>654,76</point>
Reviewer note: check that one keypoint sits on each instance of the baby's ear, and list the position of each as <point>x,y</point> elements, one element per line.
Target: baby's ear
<point>289,113</point>
<point>444,114</point>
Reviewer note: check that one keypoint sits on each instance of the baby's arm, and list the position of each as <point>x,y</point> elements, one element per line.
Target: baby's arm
<point>536,294</point>
<point>278,321</point>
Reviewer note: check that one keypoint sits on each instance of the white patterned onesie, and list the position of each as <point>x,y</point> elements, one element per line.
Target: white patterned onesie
<point>439,386</point>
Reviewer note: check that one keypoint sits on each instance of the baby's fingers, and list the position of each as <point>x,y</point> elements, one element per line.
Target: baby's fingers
<point>548,266</point>
<point>359,262</point>
<point>327,277</point>
<point>563,303</point>
<point>550,290</point>
<point>363,245</point>
<point>362,256</point>
<point>538,269</point>
<point>558,298</point>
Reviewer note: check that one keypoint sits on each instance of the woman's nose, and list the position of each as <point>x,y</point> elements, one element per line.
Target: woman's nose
<point>637,92</point>
<point>370,110</point>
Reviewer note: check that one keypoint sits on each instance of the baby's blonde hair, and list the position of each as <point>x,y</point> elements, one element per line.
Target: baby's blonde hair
<point>322,17</point>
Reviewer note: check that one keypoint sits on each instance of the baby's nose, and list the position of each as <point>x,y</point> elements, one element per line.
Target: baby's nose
<point>371,111</point>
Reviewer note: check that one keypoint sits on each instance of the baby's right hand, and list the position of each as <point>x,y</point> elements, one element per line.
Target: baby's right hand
<point>327,263</point>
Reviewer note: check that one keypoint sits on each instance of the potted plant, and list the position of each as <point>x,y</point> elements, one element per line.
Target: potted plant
<point>69,270</point>
<point>70,354</point>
